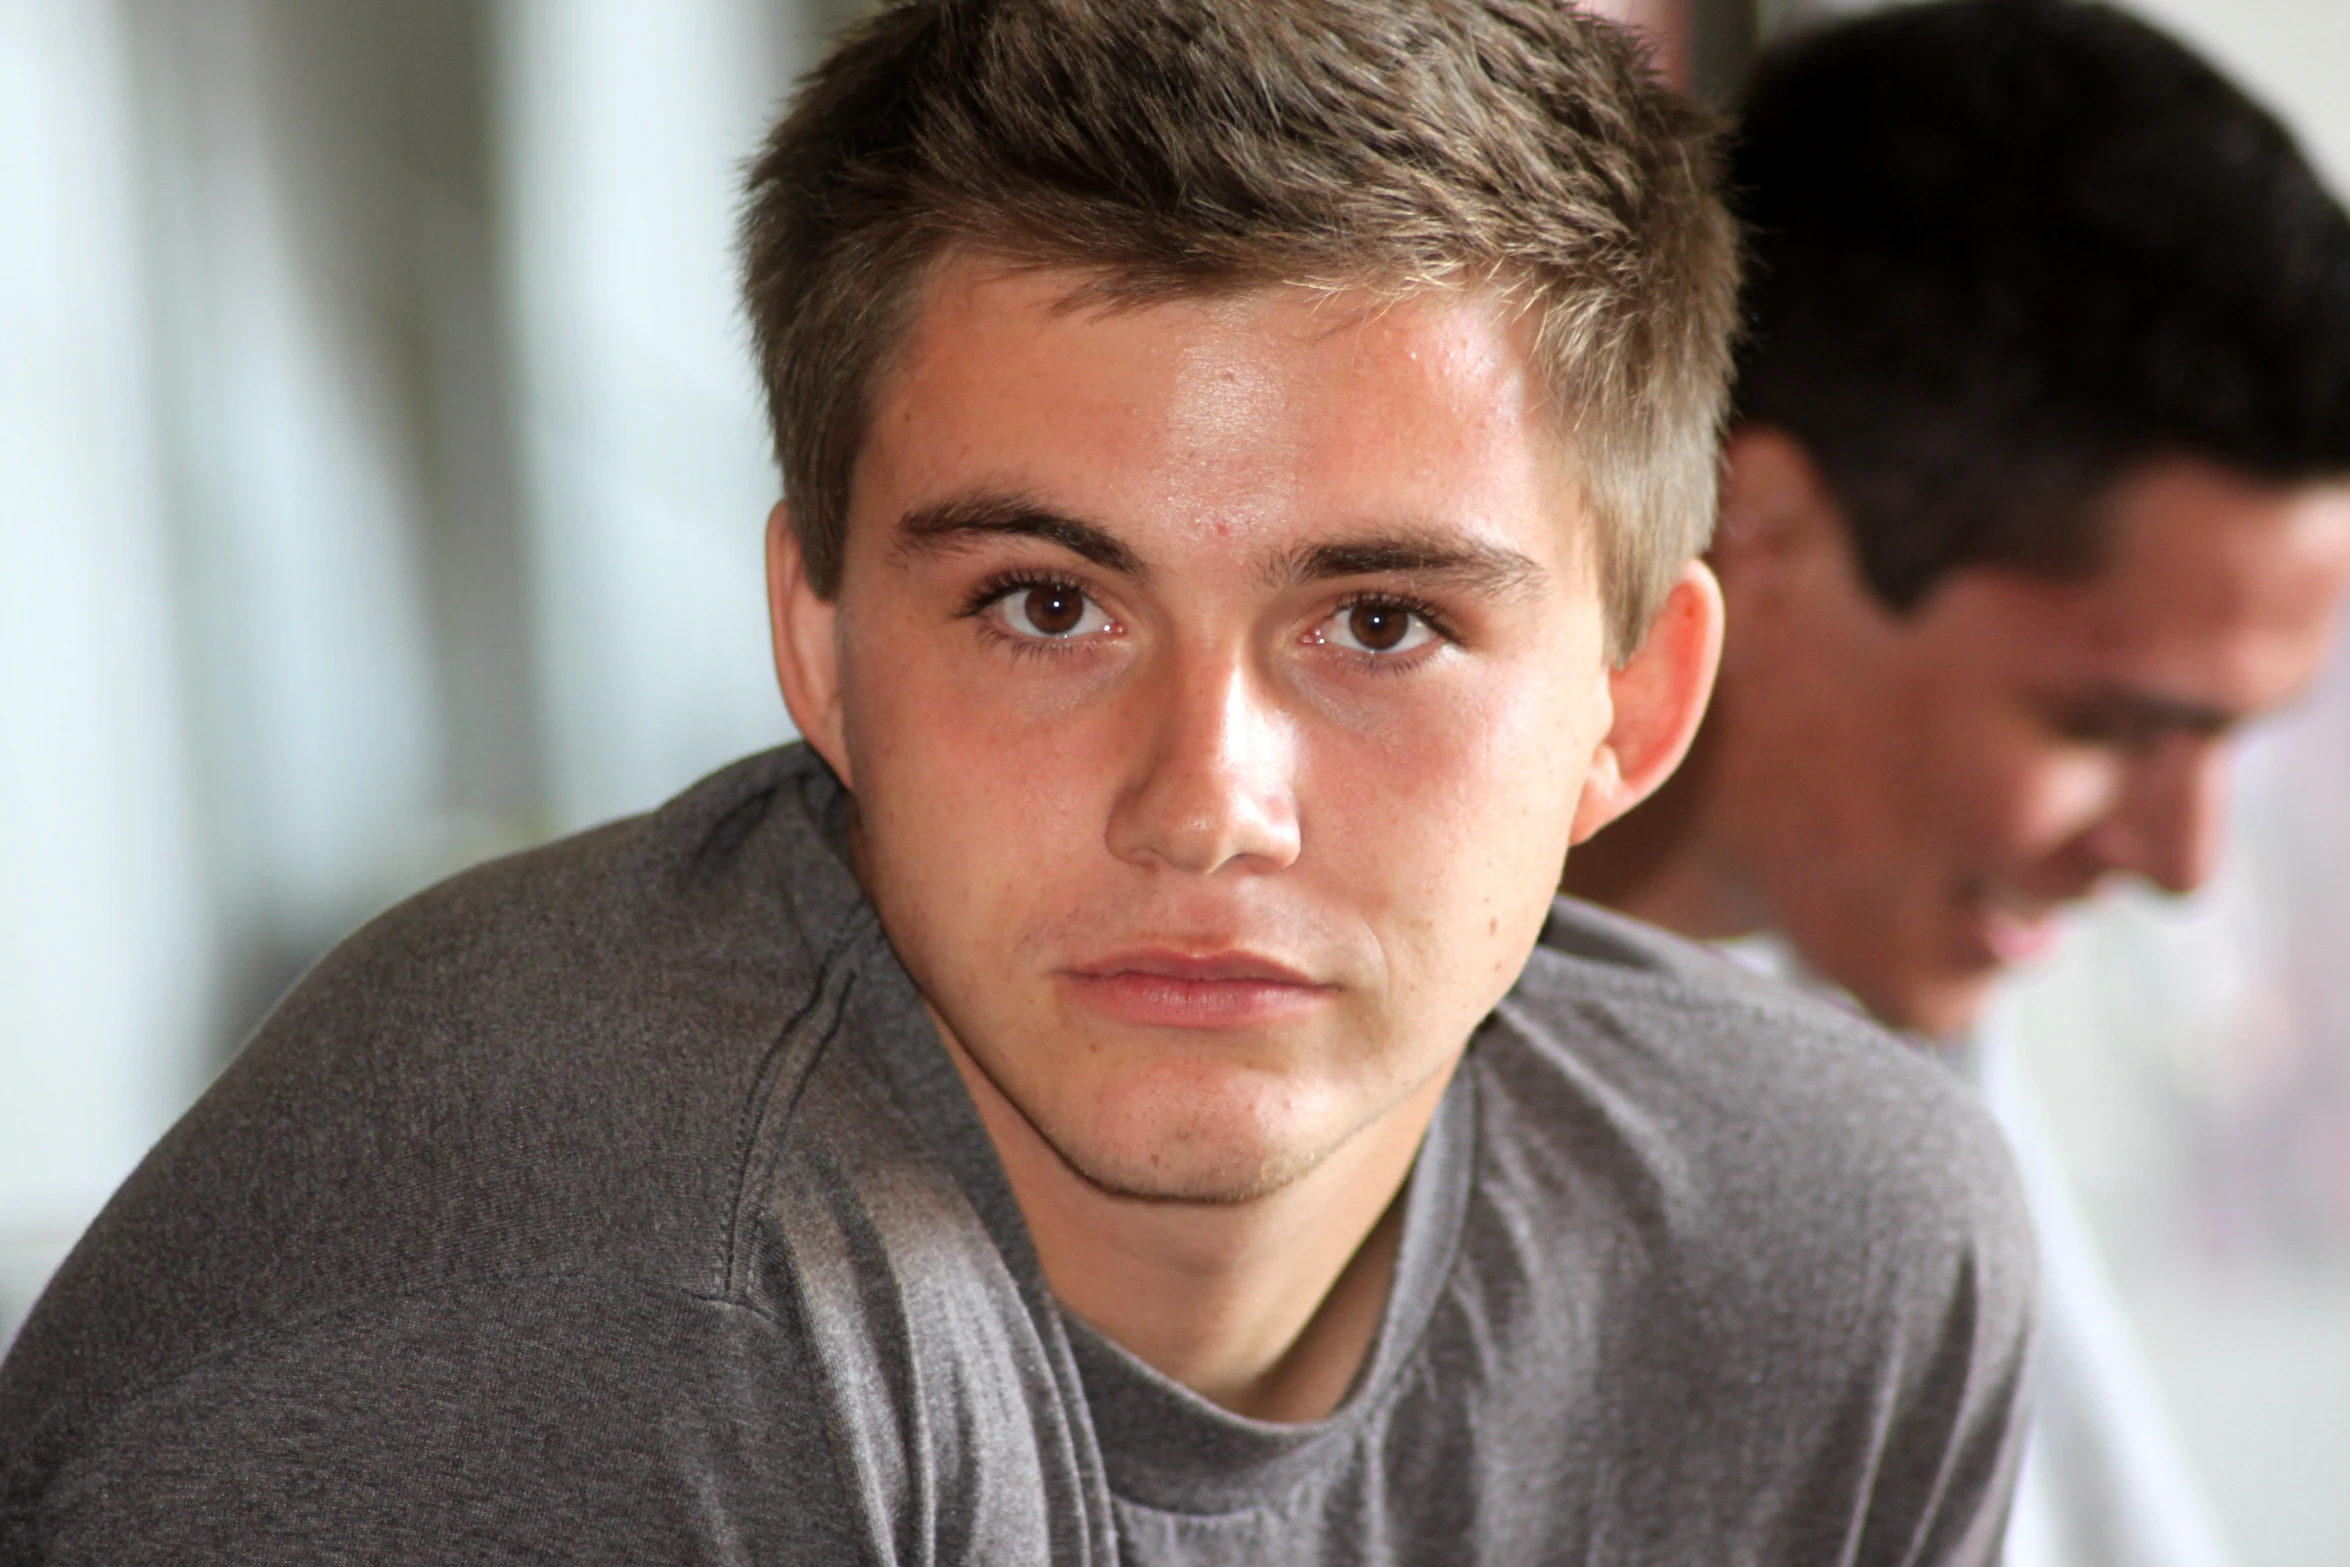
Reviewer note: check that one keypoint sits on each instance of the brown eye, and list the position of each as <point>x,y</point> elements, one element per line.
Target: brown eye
<point>1049,612</point>
<point>1379,628</point>
<point>1382,628</point>
<point>1055,611</point>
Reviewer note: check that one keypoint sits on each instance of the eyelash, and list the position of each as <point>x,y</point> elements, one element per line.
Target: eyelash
<point>1428,613</point>
<point>994,589</point>
<point>983,597</point>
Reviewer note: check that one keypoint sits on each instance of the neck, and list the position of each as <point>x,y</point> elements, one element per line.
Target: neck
<point>1265,1306</point>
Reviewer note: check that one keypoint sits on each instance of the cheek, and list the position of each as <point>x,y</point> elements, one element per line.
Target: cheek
<point>2001,791</point>
<point>2048,796</point>
<point>1456,807</point>
<point>1002,797</point>
<point>1970,777</point>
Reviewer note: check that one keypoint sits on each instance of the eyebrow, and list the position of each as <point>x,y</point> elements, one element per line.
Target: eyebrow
<point>2155,712</point>
<point>964,519</point>
<point>1429,554</point>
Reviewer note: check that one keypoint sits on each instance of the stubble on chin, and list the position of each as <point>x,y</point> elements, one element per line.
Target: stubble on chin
<point>1187,1157</point>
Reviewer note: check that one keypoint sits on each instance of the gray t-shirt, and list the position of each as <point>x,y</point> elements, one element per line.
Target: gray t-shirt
<point>617,1202</point>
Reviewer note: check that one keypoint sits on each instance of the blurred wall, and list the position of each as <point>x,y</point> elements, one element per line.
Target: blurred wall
<point>383,481</point>
<point>105,953</point>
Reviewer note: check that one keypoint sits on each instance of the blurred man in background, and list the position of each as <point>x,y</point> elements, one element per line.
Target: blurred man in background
<point>2034,496</point>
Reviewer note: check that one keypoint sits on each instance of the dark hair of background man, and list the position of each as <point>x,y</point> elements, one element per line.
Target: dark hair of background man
<point>2003,251</point>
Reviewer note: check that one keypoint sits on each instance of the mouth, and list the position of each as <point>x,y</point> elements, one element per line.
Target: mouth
<point>1165,988</point>
<point>2014,927</point>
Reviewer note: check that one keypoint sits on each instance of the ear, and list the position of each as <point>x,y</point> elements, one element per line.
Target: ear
<point>805,628</point>
<point>1659,698</point>
<point>1779,521</point>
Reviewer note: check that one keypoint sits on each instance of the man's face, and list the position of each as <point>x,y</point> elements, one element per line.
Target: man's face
<point>1912,798</point>
<point>1216,680</point>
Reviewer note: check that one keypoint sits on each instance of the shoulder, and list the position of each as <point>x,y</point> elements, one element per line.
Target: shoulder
<point>548,1044</point>
<point>554,1065</point>
<point>1763,1209</point>
<point>737,868</point>
<point>1772,1130</point>
<point>515,1420</point>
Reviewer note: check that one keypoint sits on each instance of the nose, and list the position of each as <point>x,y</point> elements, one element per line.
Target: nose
<point>2170,818</point>
<point>1211,782</point>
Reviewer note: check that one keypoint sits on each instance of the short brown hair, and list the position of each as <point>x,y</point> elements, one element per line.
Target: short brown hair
<point>1181,147</point>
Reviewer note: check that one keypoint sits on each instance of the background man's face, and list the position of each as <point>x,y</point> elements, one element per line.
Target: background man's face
<point>1915,796</point>
<point>1217,680</point>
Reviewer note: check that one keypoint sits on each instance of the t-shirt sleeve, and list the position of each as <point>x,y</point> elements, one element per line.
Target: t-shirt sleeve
<point>1954,1409</point>
<point>544,1421</point>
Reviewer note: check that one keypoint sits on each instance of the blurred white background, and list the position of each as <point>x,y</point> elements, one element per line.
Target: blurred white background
<point>381,485</point>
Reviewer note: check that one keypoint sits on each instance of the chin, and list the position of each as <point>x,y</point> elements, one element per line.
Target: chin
<point>1181,1179</point>
<point>1941,1007</point>
<point>1232,1143</point>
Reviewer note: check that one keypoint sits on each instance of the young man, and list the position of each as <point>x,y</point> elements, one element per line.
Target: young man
<point>1094,1101</point>
<point>2038,490</point>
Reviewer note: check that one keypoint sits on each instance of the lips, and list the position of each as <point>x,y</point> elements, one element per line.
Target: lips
<point>1207,968</point>
<point>1162,988</point>
<point>2015,928</point>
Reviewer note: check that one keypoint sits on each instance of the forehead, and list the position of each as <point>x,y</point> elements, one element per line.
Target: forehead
<point>1248,412</point>
<point>2214,586</point>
